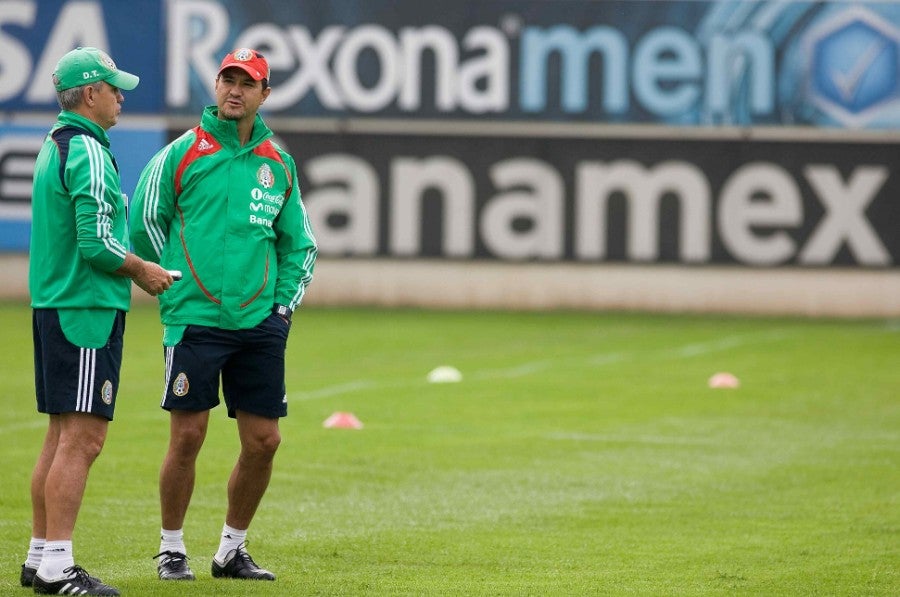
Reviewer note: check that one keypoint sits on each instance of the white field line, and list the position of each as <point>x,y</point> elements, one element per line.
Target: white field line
<point>634,439</point>
<point>722,344</point>
<point>517,371</point>
<point>692,350</point>
<point>40,423</point>
<point>344,388</point>
<point>532,367</point>
<point>609,358</point>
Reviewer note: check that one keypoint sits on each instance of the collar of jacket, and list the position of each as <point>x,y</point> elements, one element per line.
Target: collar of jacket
<point>67,118</point>
<point>225,131</point>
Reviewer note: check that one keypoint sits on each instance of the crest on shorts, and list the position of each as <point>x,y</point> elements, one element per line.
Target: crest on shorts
<point>265,176</point>
<point>106,392</point>
<point>181,385</point>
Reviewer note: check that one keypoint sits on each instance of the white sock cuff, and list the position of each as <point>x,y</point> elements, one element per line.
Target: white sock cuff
<point>167,535</point>
<point>35,552</point>
<point>235,533</point>
<point>57,546</point>
<point>172,541</point>
<point>56,558</point>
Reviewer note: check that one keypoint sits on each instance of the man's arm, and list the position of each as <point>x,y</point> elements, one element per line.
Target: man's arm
<point>295,246</point>
<point>153,207</point>
<point>94,187</point>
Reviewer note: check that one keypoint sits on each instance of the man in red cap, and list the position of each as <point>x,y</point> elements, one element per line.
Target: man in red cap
<point>221,204</point>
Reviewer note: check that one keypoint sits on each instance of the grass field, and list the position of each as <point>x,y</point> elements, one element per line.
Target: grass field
<point>582,454</point>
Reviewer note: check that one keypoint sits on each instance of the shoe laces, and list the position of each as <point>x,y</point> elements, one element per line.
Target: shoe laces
<point>241,552</point>
<point>80,574</point>
<point>173,557</point>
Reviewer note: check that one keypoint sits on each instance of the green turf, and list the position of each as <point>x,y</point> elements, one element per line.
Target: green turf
<point>582,454</point>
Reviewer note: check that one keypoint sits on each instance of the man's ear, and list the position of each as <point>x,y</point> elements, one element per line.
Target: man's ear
<point>87,96</point>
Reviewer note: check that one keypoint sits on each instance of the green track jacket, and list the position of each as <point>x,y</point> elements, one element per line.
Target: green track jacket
<point>231,219</point>
<point>79,231</point>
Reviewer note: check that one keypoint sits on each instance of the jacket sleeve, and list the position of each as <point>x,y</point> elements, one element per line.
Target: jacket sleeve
<point>295,246</point>
<point>153,206</point>
<point>93,184</point>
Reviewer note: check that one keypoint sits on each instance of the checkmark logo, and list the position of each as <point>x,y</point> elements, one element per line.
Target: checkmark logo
<point>854,66</point>
<point>848,82</point>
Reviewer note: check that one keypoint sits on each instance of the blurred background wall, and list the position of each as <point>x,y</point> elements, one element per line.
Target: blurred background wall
<point>535,154</point>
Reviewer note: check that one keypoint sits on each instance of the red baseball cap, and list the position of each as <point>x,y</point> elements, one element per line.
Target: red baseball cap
<point>249,61</point>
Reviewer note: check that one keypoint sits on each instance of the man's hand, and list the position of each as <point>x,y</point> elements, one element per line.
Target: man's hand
<point>149,276</point>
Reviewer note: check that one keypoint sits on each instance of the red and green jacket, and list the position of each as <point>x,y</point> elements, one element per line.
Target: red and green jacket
<point>231,219</point>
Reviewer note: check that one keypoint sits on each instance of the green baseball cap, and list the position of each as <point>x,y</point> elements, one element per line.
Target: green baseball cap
<point>83,66</point>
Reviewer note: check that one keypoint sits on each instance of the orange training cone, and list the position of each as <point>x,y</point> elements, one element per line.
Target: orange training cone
<point>342,420</point>
<point>724,380</point>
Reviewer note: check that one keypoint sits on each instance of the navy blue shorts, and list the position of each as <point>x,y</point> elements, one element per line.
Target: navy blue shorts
<point>68,378</point>
<point>250,363</point>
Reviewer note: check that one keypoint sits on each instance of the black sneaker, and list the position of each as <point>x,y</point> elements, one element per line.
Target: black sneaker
<point>80,583</point>
<point>240,565</point>
<point>173,566</point>
<point>27,576</point>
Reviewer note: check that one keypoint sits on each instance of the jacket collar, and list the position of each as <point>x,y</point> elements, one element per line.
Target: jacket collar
<point>67,118</point>
<point>225,131</point>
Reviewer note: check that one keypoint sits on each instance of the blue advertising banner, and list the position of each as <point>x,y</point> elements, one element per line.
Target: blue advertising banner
<point>683,63</point>
<point>471,96</point>
<point>35,34</point>
<point>19,146</point>
<point>742,63</point>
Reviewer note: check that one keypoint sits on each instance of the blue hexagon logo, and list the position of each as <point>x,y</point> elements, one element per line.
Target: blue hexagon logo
<point>854,66</point>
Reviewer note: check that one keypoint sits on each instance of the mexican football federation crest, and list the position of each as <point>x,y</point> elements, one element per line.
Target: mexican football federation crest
<point>105,59</point>
<point>265,176</point>
<point>244,54</point>
<point>181,385</point>
<point>106,392</point>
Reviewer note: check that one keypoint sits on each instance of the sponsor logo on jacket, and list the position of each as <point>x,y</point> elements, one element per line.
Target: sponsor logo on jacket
<point>264,206</point>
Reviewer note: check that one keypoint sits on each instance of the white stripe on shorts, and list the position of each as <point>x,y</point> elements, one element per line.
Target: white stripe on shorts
<point>170,356</point>
<point>87,367</point>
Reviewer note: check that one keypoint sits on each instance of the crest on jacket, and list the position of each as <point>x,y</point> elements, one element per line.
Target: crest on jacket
<point>265,176</point>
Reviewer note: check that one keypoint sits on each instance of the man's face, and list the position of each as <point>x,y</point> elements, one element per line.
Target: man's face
<point>107,105</point>
<point>238,95</point>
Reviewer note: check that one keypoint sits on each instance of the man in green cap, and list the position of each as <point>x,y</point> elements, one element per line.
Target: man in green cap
<point>80,282</point>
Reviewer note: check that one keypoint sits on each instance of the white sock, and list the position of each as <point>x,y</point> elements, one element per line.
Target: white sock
<point>172,541</point>
<point>231,540</point>
<point>35,551</point>
<point>57,557</point>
